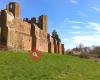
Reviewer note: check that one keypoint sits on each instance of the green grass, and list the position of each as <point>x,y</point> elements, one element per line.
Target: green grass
<point>20,66</point>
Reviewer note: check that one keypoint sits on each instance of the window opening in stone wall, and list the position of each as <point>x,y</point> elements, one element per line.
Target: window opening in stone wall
<point>11,6</point>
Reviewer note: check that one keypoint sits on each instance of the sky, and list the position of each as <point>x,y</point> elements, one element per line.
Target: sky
<point>76,21</point>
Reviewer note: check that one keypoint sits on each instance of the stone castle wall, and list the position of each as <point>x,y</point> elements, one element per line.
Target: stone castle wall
<point>26,34</point>
<point>50,44</point>
<point>39,39</point>
<point>15,32</point>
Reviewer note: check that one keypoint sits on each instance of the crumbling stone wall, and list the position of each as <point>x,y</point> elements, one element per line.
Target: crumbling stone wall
<point>50,44</point>
<point>39,33</point>
<point>15,33</point>
<point>26,34</point>
<point>63,49</point>
<point>59,48</point>
<point>55,45</point>
<point>39,39</point>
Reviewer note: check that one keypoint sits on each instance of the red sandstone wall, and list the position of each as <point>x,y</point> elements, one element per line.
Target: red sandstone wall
<point>41,39</point>
<point>50,44</point>
<point>63,49</point>
<point>22,35</point>
<point>55,46</point>
<point>18,33</point>
<point>59,48</point>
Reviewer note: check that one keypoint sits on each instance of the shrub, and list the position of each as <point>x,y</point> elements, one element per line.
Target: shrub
<point>84,55</point>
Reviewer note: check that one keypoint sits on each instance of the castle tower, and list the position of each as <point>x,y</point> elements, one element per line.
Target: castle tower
<point>43,22</point>
<point>14,8</point>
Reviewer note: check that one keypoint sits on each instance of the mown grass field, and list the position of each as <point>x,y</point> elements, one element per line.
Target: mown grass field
<point>20,66</point>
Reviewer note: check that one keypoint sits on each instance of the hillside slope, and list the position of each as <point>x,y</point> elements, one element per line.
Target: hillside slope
<point>20,66</point>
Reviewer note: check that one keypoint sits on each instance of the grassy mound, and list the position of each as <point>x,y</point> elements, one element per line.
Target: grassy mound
<point>20,66</point>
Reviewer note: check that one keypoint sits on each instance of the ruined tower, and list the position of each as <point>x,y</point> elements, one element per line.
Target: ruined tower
<point>43,22</point>
<point>14,8</point>
<point>39,33</point>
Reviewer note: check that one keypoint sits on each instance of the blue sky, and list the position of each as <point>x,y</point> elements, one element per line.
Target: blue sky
<point>76,21</point>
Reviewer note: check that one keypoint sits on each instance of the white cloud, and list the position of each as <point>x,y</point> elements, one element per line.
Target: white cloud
<point>96,9</point>
<point>75,27</point>
<point>73,1</point>
<point>76,32</point>
<point>81,13</point>
<point>68,21</point>
<point>94,26</point>
<point>76,22</point>
<point>86,40</point>
<point>90,35</point>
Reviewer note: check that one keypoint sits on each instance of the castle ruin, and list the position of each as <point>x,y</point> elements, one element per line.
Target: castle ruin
<point>26,34</point>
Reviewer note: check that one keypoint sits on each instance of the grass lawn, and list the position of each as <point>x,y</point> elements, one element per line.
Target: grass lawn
<point>20,66</point>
